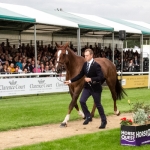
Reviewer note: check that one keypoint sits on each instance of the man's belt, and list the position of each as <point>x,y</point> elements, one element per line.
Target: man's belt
<point>95,82</point>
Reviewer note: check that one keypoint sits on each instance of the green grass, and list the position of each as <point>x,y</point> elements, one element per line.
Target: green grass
<point>108,140</point>
<point>23,111</point>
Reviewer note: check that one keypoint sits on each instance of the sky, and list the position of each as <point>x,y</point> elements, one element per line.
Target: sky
<point>138,10</point>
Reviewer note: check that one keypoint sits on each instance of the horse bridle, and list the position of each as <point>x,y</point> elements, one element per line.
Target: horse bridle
<point>61,68</point>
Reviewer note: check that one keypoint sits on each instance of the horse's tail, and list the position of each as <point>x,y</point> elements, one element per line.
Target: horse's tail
<point>119,90</point>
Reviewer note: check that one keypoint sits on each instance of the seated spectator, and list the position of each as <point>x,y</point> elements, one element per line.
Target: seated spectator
<point>11,68</point>
<point>19,64</point>
<point>51,64</point>
<point>4,69</point>
<point>131,66</point>
<point>27,66</point>
<point>7,63</point>
<point>36,70</point>
<point>1,65</point>
<point>18,70</point>
<point>24,62</point>
<point>47,69</point>
<point>32,66</point>
<point>42,67</point>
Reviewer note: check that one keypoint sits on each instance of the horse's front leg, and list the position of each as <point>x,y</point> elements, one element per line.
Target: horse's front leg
<point>72,104</point>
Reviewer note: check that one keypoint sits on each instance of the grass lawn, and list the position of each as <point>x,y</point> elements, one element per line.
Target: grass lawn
<point>108,140</point>
<point>22,111</point>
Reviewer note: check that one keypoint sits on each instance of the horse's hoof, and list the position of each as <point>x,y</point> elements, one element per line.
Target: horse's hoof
<point>118,114</point>
<point>63,124</point>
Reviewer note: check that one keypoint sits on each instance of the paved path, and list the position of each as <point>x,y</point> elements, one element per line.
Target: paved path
<point>36,134</point>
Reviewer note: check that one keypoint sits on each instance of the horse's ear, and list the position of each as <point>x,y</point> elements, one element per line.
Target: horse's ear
<point>57,44</point>
<point>66,45</point>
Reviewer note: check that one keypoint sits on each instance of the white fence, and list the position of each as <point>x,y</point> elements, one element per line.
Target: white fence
<point>23,84</point>
<point>35,83</point>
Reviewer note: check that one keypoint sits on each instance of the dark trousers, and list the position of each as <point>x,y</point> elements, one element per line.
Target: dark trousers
<point>86,93</point>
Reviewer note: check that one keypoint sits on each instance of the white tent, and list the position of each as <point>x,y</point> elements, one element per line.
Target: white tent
<point>40,16</point>
<point>115,25</point>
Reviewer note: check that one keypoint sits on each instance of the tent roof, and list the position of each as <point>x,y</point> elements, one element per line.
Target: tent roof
<point>82,22</point>
<point>58,22</point>
<point>40,16</point>
<point>115,25</point>
<point>65,22</point>
<point>144,30</point>
<point>6,14</point>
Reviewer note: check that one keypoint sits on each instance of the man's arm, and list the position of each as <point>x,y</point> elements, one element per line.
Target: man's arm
<point>79,76</point>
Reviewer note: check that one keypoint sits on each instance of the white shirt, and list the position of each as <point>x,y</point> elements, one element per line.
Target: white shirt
<point>90,62</point>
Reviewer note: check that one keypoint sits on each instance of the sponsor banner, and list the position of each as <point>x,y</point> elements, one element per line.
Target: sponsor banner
<point>134,81</point>
<point>135,135</point>
<point>24,86</point>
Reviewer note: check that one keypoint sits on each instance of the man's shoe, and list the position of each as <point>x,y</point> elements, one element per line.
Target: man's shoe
<point>103,125</point>
<point>87,120</point>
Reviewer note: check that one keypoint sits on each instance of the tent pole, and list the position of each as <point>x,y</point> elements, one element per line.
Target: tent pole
<point>149,68</point>
<point>35,47</point>
<point>78,42</point>
<point>19,38</point>
<point>141,58</point>
<point>121,61</point>
<point>113,47</point>
<point>52,39</point>
<point>126,44</point>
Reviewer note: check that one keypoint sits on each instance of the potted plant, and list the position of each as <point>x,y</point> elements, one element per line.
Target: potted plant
<point>136,132</point>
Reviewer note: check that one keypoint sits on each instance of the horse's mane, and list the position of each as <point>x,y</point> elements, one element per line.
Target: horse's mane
<point>73,53</point>
<point>74,64</point>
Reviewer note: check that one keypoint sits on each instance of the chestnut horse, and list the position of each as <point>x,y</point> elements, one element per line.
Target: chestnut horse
<point>73,64</point>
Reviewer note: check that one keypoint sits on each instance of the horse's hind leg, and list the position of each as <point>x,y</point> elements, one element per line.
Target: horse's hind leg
<point>93,110</point>
<point>111,84</point>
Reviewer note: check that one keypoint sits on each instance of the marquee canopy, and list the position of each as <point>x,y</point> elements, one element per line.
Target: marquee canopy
<point>65,22</point>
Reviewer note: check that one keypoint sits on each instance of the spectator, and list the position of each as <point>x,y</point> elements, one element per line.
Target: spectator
<point>11,68</point>
<point>19,64</point>
<point>131,66</point>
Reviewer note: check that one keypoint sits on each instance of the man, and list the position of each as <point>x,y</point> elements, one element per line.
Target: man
<point>93,77</point>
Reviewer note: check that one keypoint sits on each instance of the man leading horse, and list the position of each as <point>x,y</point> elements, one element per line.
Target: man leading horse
<point>93,77</point>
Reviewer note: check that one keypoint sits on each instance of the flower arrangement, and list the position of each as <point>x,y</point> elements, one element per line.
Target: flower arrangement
<point>125,121</point>
<point>141,114</point>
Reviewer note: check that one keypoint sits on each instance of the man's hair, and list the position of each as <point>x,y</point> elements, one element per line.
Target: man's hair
<point>89,50</point>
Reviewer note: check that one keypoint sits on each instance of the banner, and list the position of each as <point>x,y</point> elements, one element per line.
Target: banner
<point>134,81</point>
<point>24,86</point>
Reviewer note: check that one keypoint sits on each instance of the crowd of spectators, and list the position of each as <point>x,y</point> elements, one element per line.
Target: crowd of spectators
<point>131,59</point>
<point>22,59</point>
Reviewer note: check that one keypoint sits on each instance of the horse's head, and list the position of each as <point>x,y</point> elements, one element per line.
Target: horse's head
<point>60,56</point>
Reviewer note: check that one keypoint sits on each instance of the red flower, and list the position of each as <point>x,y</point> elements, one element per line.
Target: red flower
<point>124,119</point>
<point>130,120</point>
